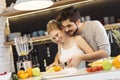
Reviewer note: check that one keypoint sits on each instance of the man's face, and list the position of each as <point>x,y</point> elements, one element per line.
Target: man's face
<point>69,27</point>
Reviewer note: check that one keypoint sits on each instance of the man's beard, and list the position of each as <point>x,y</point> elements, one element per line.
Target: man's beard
<point>75,31</point>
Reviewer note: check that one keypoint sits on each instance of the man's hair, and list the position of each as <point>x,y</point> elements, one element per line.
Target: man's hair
<point>71,13</point>
<point>53,25</point>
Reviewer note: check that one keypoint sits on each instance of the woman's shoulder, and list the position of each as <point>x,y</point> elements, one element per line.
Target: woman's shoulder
<point>79,39</point>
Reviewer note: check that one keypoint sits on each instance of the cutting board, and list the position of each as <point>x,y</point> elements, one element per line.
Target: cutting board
<point>64,73</point>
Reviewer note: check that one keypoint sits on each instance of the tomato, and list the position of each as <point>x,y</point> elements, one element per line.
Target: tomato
<point>88,69</point>
<point>94,69</point>
<point>99,68</point>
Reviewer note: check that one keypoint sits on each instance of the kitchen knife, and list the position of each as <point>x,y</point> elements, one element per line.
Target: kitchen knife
<point>63,65</point>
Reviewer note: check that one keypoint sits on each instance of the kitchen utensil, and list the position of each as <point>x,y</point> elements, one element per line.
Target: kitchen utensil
<point>23,46</point>
<point>63,65</point>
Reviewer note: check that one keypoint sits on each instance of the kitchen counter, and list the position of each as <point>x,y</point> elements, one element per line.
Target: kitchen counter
<point>80,74</point>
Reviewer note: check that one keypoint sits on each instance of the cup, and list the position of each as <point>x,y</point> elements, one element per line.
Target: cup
<point>41,33</point>
<point>34,34</point>
<point>106,20</point>
<point>87,18</point>
<point>112,20</point>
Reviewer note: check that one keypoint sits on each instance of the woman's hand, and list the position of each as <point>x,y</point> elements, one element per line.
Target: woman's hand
<point>75,60</point>
<point>51,65</point>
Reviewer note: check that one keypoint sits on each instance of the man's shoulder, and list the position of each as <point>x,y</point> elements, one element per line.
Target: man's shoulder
<point>92,22</point>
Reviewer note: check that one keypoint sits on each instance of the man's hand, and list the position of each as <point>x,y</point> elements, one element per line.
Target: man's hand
<point>75,60</point>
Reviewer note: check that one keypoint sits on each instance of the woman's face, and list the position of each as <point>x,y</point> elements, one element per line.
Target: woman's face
<point>57,36</point>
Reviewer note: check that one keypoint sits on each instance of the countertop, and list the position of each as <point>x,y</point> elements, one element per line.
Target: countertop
<point>80,74</point>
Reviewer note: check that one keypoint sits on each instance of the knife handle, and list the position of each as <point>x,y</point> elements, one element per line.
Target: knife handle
<point>65,63</point>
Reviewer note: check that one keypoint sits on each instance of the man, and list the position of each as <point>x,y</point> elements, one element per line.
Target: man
<point>92,31</point>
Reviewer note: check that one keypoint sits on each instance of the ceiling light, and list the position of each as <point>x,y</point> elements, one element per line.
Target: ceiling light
<point>26,5</point>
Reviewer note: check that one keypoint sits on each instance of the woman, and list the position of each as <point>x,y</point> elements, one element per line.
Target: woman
<point>68,46</point>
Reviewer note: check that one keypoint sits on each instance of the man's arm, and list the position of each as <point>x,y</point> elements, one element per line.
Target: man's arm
<point>101,38</point>
<point>90,54</point>
<point>103,44</point>
<point>93,56</point>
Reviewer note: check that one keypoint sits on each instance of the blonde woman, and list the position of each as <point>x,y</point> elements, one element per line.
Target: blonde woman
<point>68,46</point>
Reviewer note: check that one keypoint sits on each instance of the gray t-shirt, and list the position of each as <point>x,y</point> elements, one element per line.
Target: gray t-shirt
<point>95,34</point>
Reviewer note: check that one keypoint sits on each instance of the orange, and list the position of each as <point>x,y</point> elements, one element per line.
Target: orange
<point>116,62</point>
<point>29,71</point>
<point>57,68</point>
<point>23,76</point>
<point>20,72</point>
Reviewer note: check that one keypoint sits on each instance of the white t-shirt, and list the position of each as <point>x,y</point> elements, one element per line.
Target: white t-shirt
<point>67,53</point>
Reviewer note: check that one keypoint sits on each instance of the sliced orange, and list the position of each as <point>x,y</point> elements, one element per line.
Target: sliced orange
<point>23,76</point>
<point>20,72</point>
<point>57,68</point>
<point>29,71</point>
<point>116,62</point>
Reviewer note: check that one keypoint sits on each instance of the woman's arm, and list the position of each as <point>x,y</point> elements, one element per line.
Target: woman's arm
<point>56,60</point>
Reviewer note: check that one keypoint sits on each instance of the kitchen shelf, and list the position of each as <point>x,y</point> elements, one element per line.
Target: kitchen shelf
<point>46,39</point>
<point>112,26</point>
<point>36,40</point>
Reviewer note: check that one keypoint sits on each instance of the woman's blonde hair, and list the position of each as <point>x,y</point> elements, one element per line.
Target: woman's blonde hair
<point>53,25</point>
